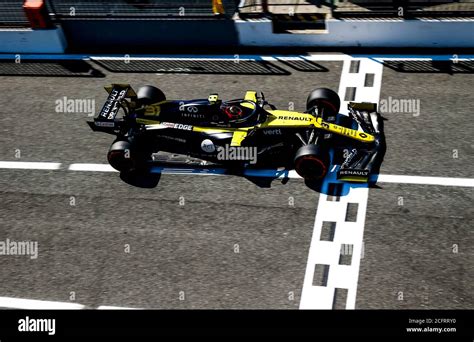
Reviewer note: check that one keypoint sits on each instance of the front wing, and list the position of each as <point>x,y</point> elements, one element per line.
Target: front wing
<point>365,159</point>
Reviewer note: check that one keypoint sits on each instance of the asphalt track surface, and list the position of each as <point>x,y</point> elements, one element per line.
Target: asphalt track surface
<point>231,244</point>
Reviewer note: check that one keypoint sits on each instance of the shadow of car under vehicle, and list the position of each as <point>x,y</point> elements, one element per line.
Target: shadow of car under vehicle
<point>141,179</point>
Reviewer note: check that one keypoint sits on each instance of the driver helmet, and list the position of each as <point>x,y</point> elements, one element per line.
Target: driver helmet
<point>233,111</point>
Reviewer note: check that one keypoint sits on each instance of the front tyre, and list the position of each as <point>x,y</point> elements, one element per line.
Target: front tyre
<point>311,162</point>
<point>326,101</point>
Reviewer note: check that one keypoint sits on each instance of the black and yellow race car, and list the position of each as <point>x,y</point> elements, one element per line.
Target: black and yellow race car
<point>241,134</point>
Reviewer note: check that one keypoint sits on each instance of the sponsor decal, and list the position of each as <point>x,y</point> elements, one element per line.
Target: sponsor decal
<point>208,146</point>
<point>276,131</point>
<point>177,126</point>
<point>347,131</point>
<point>111,106</point>
<point>192,109</point>
<point>354,172</point>
<point>298,118</point>
<point>109,110</point>
<point>104,124</point>
<point>192,115</point>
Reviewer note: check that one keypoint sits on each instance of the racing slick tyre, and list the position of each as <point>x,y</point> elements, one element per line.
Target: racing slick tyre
<point>119,156</point>
<point>326,100</point>
<point>124,157</point>
<point>311,162</point>
<point>149,94</point>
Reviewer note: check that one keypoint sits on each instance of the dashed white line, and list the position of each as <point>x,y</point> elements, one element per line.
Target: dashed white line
<point>91,167</point>
<point>29,165</point>
<point>105,58</point>
<point>444,181</point>
<point>382,178</point>
<point>107,307</point>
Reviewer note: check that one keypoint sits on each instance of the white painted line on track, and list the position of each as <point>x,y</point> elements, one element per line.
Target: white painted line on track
<point>33,304</point>
<point>169,59</point>
<point>107,307</point>
<point>444,181</point>
<point>29,165</point>
<point>328,57</point>
<point>382,178</point>
<point>91,167</point>
<point>326,254</point>
<point>414,59</point>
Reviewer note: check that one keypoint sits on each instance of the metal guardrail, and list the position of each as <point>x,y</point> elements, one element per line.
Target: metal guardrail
<point>13,15</point>
<point>404,8</point>
<point>361,7</point>
<point>83,9</point>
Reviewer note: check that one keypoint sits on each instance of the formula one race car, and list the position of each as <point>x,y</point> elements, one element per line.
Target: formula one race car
<point>242,133</point>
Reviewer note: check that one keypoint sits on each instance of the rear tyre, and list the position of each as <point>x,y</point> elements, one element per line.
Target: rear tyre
<point>326,101</point>
<point>148,94</point>
<point>125,157</point>
<point>311,162</point>
<point>119,156</point>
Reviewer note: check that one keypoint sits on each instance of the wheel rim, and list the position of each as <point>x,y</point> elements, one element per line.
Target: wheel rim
<point>328,104</point>
<point>310,167</point>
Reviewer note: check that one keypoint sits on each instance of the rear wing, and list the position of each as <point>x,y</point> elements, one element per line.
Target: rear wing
<point>105,120</point>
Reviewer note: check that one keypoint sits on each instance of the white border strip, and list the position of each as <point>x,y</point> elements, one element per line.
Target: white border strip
<point>236,57</point>
<point>107,307</point>
<point>382,178</point>
<point>91,167</point>
<point>33,304</point>
<point>29,165</point>
<point>445,181</point>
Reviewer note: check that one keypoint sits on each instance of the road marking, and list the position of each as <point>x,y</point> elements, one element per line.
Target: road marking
<point>91,167</point>
<point>326,254</point>
<point>310,56</point>
<point>444,181</point>
<point>29,165</point>
<point>106,307</point>
<point>33,304</point>
<point>382,178</point>
<point>230,58</point>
